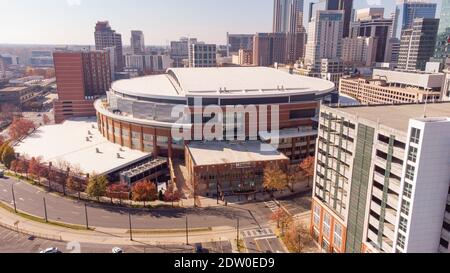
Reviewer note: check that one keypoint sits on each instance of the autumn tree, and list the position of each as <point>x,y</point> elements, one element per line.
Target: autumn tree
<point>118,190</point>
<point>97,186</point>
<point>34,168</point>
<point>297,237</point>
<point>8,155</point>
<point>63,173</point>
<point>144,191</point>
<point>2,148</point>
<point>171,195</point>
<point>275,178</point>
<point>281,217</point>
<point>46,119</point>
<point>308,168</point>
<point>20,128</point>
<point>7,112</point>
<point>73,181</point>
<point>2,140</point>
<point>21,166</point>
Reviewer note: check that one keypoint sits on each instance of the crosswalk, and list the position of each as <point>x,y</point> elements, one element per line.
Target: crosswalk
<point>254,233</point>
<point>272,206</point>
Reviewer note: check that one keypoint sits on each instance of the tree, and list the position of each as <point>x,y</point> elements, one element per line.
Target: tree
<point>2,148</point>
<point>13,166</point>
<point>297,237</point>
<point>308,168</point>
<point>8,156</point>
<point>34,168</point>
<point>21,166</point>
<point>20,128</point>
<point>170,195</point>
<point>144,191</point>
<point>46,119</point>
<point>63,173</point>
<point>2,140</point>
<point>118,190</point>
<point>275,178</point>
<point>281,217</point>
<point>97,186</point>
<point>7,112</point>
<point>73,181</point>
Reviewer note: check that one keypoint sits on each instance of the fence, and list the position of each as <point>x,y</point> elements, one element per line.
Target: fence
<point>30,233</point>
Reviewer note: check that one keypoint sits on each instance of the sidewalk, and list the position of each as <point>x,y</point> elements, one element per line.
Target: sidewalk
<point>110,236</point>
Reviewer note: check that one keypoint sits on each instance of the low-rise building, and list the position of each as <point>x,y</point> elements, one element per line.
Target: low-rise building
<point>18,95</point>
<point>382,179</point>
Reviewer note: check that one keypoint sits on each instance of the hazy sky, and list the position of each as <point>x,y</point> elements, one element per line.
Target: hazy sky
<point>73,21</point>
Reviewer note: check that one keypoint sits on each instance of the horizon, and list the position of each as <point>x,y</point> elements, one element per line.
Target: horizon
<point>200,20</point>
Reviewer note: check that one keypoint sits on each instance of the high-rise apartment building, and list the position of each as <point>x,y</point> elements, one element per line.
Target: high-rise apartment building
<point>137,42</point>
<point>381,182</point>
<point>105,37</point>
<point>148,64</point>
<point>203,55</point>
<point>179,50</point>
<point>324,38</point>
<point>443,38</point>
<point>239,41</point>
<point>345,5</point>
<point>408,10</point>
<point>269,48</point>
<point>81,78</point>
<point>418,43</point>
<point>245,57</point>
<point>359,51</point>
<point>370,23</point>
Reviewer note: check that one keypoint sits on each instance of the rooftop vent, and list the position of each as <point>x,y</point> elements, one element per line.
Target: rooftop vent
<point>87,139</point>
<point>97,150</point>
<point>118,156</point>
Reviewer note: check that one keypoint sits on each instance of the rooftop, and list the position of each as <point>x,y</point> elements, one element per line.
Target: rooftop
<point>223,81</point>
<point>69,142</point>
<point>398,116</point>
<point>14,88</point>
<point>223,152</point>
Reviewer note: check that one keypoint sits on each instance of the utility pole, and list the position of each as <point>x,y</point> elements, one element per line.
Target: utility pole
<point>131,229</point>
<point>14,198</point>
<point>187,231</point>
<point>45,210</point>
<point>237,233</point>
<point>86,214</point>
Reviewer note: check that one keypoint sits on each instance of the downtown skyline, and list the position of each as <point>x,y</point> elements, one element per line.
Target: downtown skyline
<point>78,17</point>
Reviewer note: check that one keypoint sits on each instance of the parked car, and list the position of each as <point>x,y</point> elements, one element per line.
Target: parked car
<point>51,250</point>
<point>117,250</point>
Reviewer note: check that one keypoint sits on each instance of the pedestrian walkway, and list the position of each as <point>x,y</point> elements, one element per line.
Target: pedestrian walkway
<point>272,206</point>
<point>253,233</point>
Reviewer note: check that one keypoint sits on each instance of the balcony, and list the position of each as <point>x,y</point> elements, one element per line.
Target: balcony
<point>379,178</point>
<point>381,162</point>
<point>387,245</point>
<point>375,207</point>
<point>373,237</point>
<point>394,185</point>
<point>391,215</point>
<point>373,221</point>
<point>397,169</point>
<point>377,193</point>
<point>389,231</point>
<point>392,200</point>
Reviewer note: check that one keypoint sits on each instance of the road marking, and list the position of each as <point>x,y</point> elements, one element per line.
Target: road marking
<point>266,238</point>
<point>5,190</point>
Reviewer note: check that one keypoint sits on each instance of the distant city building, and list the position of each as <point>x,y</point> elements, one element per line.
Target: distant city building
<point>105,37</point>
<point>443,38</point>
<point>375,188</point>
<point>179,51</point>
<point>392,52</point>
<point>239,41</point>
<point>18,95</point>
<point>9,59</point>
<point>288,19</point>
<point>446,82</point>
<point>324,38</point>
<point>41,58</point>
<point>203,55</point>
<point>387,86</point>
<point>370,24</point>
<point>137,42</point>
<point>418,44</point>
<point>359,51</point>
<point>269,48</point>
<point>245,57</point>
<point>344,5</point>
<point>148,64</point>
<point>81,78</point>
<point>408,10</point>
<point>2,69</point>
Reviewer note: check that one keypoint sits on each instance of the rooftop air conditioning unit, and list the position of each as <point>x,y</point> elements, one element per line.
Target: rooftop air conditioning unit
<point>97,150</point>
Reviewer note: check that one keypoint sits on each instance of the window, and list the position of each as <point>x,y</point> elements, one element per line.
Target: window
<point>338,236</point>
<point>407,191</point>
<point>415,136</point>
<point>162,140</point>
<point>403,224</point>
<point>405,207</point>
<point>444,243</point>
<point>326,225</point>
<point>148,138</point>
<point>410,172</point>
<point>135,135</point>
<point>401,241</point>
<point>412,154</point>
<point>317,215</point>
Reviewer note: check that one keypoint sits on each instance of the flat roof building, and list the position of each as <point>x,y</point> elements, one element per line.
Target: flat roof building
<point>382,179</point>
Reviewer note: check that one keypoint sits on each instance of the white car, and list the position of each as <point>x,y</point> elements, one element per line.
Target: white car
<point>117,250</point>
<point>51,250</point>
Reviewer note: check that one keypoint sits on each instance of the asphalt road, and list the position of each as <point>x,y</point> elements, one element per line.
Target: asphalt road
<point>30,199</point>
<point>12,242</point>
<point>262,241</point>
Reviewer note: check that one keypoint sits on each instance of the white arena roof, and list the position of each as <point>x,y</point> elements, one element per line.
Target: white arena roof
<point>68,142</point>
<point>222,82</point>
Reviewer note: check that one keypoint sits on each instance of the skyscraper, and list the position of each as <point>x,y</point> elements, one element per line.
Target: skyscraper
<point>443,40</point>
<point>239,41</point>
<point>106,37</point>
<point>288,19</point>
<point>417,44</point>
<point>324,38</point>
<point>179,50</point>
<point>408,10</point>
<point>345,5</point>
<point>137,42</point>
<point>269,48</point>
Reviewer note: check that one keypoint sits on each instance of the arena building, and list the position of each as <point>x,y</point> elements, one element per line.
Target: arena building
<point>137,113</point>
